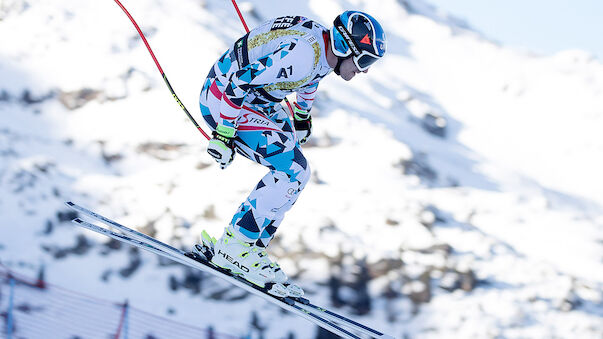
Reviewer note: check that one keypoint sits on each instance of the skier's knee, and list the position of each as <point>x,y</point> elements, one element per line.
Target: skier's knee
<point>305,176</point>
<point>303,167</point>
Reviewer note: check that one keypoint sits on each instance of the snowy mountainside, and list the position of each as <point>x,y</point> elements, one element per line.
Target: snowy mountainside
<point>454,193</point>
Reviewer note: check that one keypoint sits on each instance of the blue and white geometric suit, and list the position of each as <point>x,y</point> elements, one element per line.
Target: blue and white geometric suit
<point>244,89</point>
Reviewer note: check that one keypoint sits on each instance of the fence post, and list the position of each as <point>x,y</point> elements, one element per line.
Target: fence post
<point>9,321</point>
<point>123,322</point>
<point>126,318</point>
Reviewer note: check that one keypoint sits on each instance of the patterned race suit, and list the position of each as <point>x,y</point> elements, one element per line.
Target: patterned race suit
<point>244,89</point>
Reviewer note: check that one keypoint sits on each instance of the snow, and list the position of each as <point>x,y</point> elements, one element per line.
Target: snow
<point>511,190</point>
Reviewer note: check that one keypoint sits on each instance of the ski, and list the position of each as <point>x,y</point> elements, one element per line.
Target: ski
<point>322,317</point>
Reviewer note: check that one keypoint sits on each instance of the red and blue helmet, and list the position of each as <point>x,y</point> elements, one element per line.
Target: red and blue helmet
<point>358,35</point>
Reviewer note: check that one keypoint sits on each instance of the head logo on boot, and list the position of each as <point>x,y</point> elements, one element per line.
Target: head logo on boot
<point>232,261</point>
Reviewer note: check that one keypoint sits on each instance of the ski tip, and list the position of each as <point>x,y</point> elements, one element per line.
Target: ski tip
<point>69,203</point>
<point>77,221</point>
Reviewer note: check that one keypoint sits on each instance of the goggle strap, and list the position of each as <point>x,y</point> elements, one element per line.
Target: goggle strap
<point>338,53</point>
<point>346,36</point>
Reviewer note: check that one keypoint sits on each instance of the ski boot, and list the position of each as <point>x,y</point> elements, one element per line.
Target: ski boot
<point>248,261</point>
<point>293,290</point>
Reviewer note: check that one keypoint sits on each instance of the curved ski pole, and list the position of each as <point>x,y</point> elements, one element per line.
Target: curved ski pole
<point>165,79</point>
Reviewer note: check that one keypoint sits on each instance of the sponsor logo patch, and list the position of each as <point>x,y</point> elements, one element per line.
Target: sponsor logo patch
<point>285,22</point>
<point>233,261</point>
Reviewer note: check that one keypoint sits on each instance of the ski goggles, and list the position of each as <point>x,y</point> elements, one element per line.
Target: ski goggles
<point>344,45</point>
<point>364,60</point>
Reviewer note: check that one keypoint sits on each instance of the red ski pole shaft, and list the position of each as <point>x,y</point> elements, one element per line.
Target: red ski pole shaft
<point>234,3</point>
<point>165,79</point>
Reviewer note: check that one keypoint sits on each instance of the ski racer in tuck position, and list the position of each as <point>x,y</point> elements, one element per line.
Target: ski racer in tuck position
<point>240,101</point>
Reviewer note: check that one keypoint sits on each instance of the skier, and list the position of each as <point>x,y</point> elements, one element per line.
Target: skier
<point>240,101</point>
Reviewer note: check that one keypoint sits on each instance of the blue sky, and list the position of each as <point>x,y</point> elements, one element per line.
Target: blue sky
<point>539,25</point>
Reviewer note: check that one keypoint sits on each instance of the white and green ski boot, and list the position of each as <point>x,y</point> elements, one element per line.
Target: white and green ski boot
<point>248,261</point>
<point>293,290</point>
<point>243,259</point>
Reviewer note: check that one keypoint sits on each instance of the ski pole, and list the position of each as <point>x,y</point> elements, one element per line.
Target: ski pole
<point>234,3</point>
<point>165,79</point>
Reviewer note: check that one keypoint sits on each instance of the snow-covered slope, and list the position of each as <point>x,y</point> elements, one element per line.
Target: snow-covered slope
<point>455,190</point>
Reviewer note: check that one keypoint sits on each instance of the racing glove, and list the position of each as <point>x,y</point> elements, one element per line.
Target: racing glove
<point>221,145</point>
<point>302,121</point>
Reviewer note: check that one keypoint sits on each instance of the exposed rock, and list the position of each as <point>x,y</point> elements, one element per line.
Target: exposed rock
<point>48,227</point>
<point>56,192</point>
<point>434,124</point>
<point>384,266</point>
<point>427,218</point>
<point>29,99</point>
<point>134,264</point>
<point>66,215</point>
<point>109,158</point>
<point>437,213</point>
<point>202,165</point>
<point>419,291</point>
<point>572,300</point>
<point>22,180</point>
<point>210,213</point>
<point>161,151</point>
<point>391,293</point>
<point>76,99</point>
<point>361,304</point>
<point>81,247</point>
<point>443,248</point>
<point>173,283</point>
<point>468,280</point>
<point>220,294</point>
<point>192,281</point>
<point>329,227</point>
<point>419,166</point>
<point>106,275</point>
<point>111,245</point>
<point>453,280</point>
<point>4,96</point>
<point>149,229</point>
<point>391,222</point>
<point>324,140</point>
<point>450,281</point>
